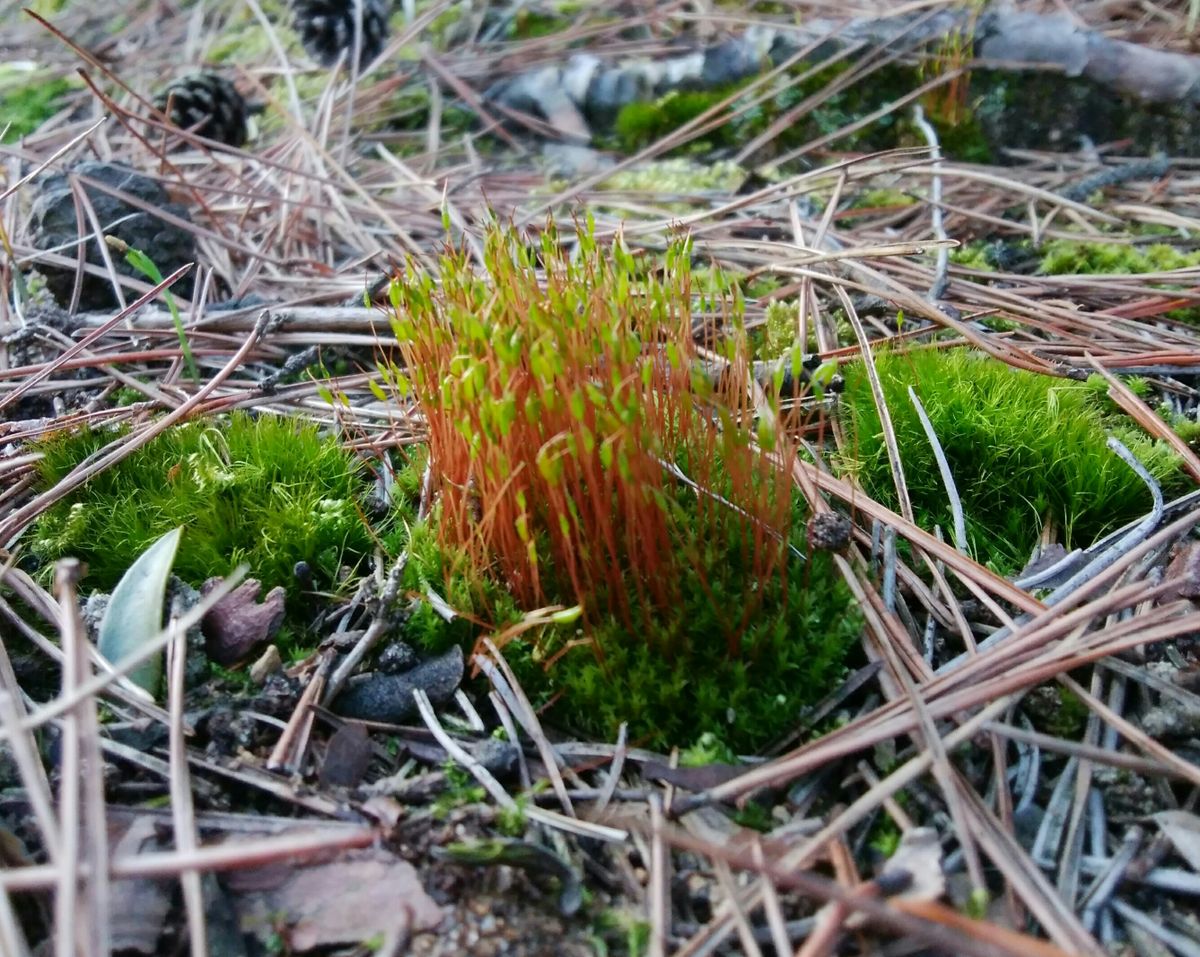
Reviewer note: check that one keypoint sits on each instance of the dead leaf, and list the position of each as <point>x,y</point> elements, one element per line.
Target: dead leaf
<point>1183,571</point>
<point>139,905</point>
<point>1182,829</point>
<point>920,856</point>
<point>346,757</point>
<point>238,623</point>
<point>360,895</point>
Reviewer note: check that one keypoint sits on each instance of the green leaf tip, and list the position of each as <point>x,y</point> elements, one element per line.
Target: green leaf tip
<point>135,610</point>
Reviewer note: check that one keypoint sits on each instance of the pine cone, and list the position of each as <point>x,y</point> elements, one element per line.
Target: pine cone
<point>326,28</point>
<point>54,226</point>
<point>207,104</point>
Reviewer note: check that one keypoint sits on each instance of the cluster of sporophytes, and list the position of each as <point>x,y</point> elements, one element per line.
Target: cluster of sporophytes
<point>266,491</point>
<point>1023,449</point>
<point>586,457</point>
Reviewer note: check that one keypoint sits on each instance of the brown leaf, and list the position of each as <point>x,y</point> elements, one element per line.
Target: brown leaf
<point>1184,572</point>
<point>238,623</point>
<point>360,895</point>
<point>1182,829</point>
<point>139,905</point>
<point>346,757</point>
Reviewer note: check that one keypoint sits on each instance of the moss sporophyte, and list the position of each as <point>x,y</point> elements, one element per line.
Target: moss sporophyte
<point>564,399</point>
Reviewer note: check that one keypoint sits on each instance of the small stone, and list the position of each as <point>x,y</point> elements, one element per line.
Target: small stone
<point>829,532</point>
<point>269,662</point>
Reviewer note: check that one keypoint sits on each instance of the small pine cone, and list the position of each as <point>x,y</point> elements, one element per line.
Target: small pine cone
<point>207,104</point>
<point>326,28</point>
<point>829,532</point>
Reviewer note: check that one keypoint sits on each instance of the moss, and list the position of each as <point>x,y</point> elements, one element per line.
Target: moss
<point>974,255</point>
<point>28,99</point>
<point>1068,257</point>
<point>797,645</point>
<point>553,492</point>
<point>264,491</point>
<point>640,124</point>
<point>678,176</point>
<point>1022,448</point>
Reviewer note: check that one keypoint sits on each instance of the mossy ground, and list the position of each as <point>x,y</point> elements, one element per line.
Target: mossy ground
<point>640,124</point>
<point>27,99</point>
<point>265,491</point>
<point>1023,449</point>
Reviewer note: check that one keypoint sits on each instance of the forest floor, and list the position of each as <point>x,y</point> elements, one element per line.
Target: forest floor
<point>852,610</point>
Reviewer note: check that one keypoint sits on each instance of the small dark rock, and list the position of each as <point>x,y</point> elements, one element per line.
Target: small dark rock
<point>304,574</point>
<point>389,698</point>
<point>397,657</point>
<point>829,532</point>
<point>499,757</point>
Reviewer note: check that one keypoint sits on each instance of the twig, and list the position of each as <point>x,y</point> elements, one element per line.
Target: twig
<point>381,625</point>
<point>183,817</point>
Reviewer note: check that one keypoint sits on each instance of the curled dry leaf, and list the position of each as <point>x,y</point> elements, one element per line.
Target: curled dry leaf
<point>920,856</point>
<point>1182,829</point>
<point>139,905</point>
<point>359,896</point>
<point>239,623</point>
<point>1184,572</point>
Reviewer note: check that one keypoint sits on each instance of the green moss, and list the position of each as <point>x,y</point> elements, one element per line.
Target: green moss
<point>265,491</point>
<point>796,646</point>
<point>1021,448</point>
<point>1068,257</point>
<point>28,99</point>
<point>640,124</point>
<point>678,176</point>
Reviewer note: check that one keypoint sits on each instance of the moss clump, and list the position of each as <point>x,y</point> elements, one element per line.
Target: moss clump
<point>27,100</point>
<point>1068,257</point>
<point>561,394</point>
<point>678,176</point>
<point>264,491</point>
<point>640,124</point>
<point>1022,448</point>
